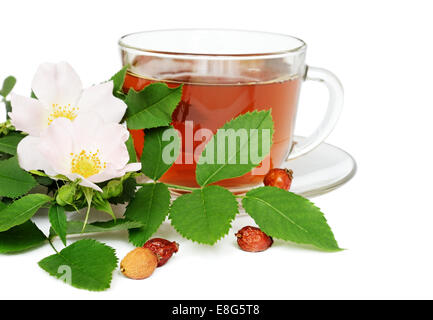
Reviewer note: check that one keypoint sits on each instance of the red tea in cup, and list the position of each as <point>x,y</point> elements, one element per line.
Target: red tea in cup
<point>226,73</point>
<point>210,103</point>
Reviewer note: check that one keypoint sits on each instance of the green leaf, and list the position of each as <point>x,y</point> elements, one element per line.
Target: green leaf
<point>38,173</point>
<point>152,107</point>
<point>150,207</point>
<point>9,143</point>
<point>104,206</point>
<point>226,156</point>
<point>131,150</point>
<point>14,181</point>
<point>118,80</point>
<point>205,215</point>
<point>288,216</point>
<point>160,151</point>
<point>76,227</point>
<point>20,238</point>
<point>8,85</point>
<point>44,181</point>
<point>21,210</point>
<point>85,264</point>
<point>58,221</point>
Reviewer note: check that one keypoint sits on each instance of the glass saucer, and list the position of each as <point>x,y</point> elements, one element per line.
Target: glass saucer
<point>320,171</point>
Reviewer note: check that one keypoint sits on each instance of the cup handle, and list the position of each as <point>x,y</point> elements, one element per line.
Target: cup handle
<point>335,105</point>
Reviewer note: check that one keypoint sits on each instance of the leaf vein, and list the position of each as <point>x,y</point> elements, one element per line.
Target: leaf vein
<point>230,158</point>
<point>279,212</point>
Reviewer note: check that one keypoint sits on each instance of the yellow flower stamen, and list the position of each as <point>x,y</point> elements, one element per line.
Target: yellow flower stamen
<point>62,112</point>
<point>87,163</point>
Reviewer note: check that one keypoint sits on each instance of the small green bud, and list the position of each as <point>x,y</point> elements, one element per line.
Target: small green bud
<point>66,194</point>
<point>113,189</point>
<point>6,127</point>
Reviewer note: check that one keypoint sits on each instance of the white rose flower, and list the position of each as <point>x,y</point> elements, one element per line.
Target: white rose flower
<point>60,95</point>
<point>87,149</point>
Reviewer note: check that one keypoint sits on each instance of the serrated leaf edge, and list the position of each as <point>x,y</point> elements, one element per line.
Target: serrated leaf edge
<point>266,112</point>
<point>139,244</point>
<point>146,111</point>
<point>27,189</point>
<point>27,210</point>
<point>56,207</point>
<point>56,275</point>
<point>267,231</point>
<point>229,221</point>
<point>154,175</point>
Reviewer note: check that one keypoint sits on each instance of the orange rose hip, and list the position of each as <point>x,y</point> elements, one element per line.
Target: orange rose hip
<point>139,264</point>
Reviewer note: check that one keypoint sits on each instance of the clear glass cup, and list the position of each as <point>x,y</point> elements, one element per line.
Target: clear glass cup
<point>226,73</point>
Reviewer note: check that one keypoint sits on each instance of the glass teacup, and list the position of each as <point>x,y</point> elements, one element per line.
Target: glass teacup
<point>226,73</point>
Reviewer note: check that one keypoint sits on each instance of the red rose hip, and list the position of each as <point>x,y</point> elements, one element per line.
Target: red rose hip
<point>163,249</point>
<point>253,239</point>
<point>280,178</point>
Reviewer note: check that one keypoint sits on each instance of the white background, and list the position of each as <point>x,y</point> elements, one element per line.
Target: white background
<point>383,53</point>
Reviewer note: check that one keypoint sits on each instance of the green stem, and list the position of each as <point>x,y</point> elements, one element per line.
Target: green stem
<point>51,244</point>
<point>88,194</point>
<point>174,186</point>
<point>86,219</point>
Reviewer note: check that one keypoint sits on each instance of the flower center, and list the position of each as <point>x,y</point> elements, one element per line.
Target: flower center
<point>87,163</point>
<point>65,111</point>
